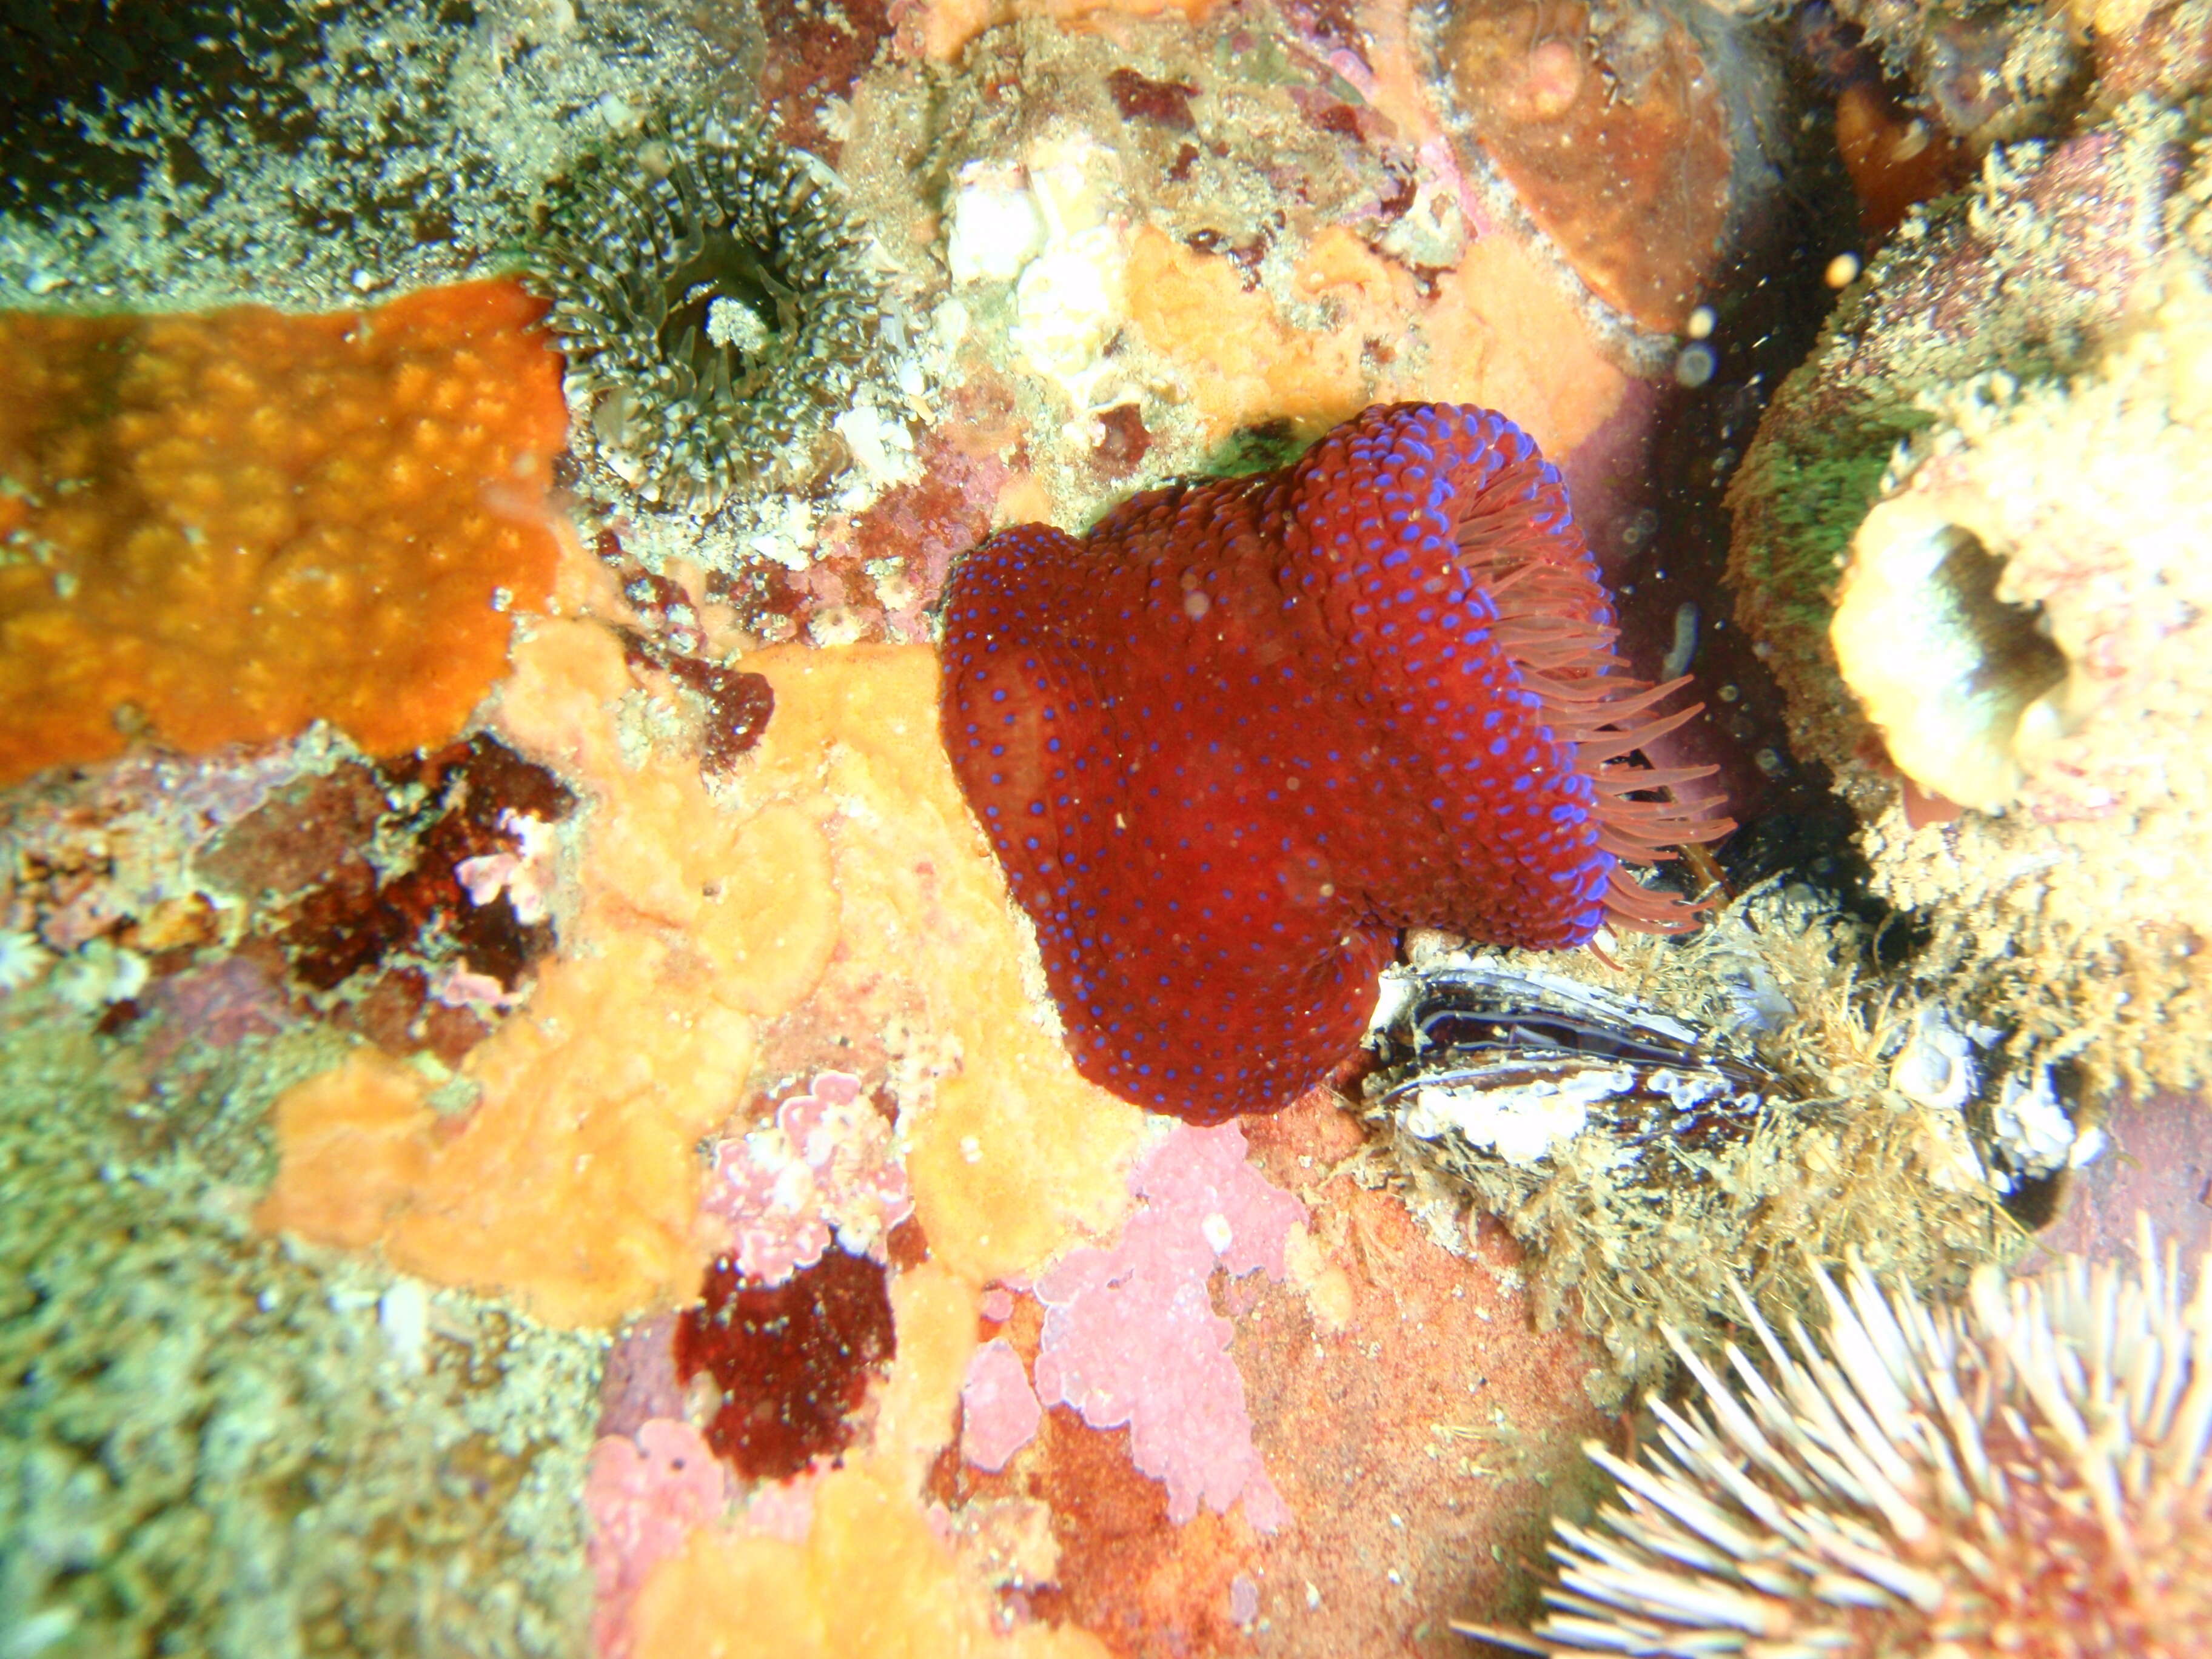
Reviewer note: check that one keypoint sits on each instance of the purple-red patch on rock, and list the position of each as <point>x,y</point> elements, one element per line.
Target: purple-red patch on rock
<point>1139,98</point>
<point>455,891</point>
<point>792,1361</point>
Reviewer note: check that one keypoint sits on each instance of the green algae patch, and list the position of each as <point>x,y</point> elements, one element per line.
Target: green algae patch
<point>213,1444</point>
<point>1800,496</point>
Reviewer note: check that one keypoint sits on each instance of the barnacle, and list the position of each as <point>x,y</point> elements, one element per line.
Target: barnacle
<point>710,291</point>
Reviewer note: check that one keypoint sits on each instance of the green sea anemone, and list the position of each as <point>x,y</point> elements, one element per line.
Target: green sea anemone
<point>713,296</point>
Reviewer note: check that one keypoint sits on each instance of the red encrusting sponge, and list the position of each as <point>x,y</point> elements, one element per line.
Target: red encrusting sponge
<point>1230,743</point>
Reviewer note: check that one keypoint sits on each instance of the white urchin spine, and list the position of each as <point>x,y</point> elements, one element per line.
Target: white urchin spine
<point>2031,1474</point>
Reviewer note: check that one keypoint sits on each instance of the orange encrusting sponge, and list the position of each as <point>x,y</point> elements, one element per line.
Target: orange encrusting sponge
<point>219,527</point>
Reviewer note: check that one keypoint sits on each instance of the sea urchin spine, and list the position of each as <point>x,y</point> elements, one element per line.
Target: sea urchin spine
<point>711,293</point>
<point>2028,1475</point>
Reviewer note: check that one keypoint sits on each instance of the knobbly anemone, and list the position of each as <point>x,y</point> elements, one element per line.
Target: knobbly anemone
<point>1235,739</point>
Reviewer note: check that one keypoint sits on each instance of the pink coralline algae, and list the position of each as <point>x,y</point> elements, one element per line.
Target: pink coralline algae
<point>823,1167</point>
<point>527,875</point>
<point>644,1496</point>
<point>1131,1336</point>
<point>998,1411</point>
<point>459,987</point>
<point>790,1364</point>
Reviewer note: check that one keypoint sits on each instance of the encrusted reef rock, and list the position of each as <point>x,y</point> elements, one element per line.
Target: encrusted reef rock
<point>1124,245</point>
<point>214,1444</point>
<point>1635,139</point>
<point>1971,540</point>
<point>1711,1118</point>
<point>1986,74</point>
<point>596,1161</point>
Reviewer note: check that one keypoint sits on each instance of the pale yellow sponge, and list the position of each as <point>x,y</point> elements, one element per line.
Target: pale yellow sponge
<point>573,1181</point>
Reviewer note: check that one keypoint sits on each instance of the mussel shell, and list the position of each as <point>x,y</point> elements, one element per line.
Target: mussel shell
<point>1468,1041</point>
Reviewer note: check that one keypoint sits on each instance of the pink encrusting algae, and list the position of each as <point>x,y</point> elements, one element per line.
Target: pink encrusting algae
<point>644,1495</point>
<point>998,1410</point>
<point>526,876</point>
<point>1131,1336</point>
<point>823,1167</point>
